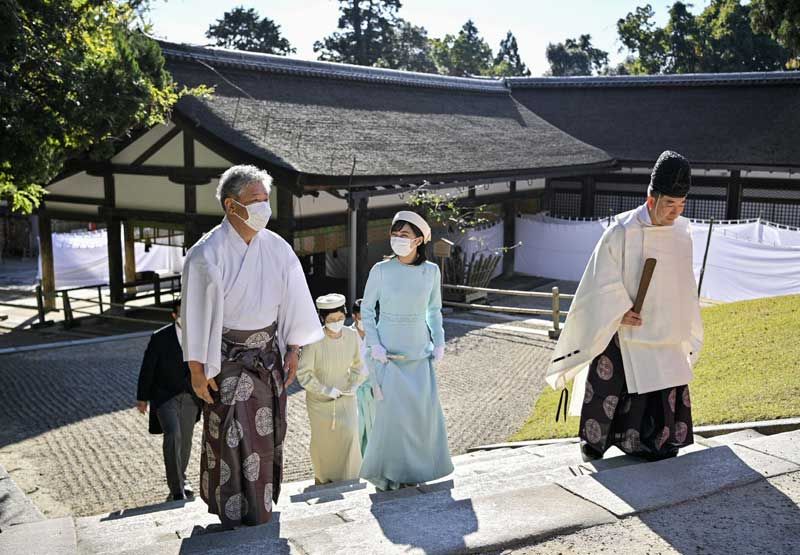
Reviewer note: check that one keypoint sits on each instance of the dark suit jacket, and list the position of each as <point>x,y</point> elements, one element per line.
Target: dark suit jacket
<point>164,374</point>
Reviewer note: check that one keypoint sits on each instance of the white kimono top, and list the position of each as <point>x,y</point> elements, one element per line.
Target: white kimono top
<point>228,284</point>
<point>660,353</point>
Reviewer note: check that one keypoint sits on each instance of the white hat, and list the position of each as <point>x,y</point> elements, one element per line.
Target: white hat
<point>331,301</point>
<point>417,220</point>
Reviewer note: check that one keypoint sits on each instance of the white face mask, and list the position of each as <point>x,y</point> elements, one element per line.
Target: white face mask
<point>258,214</point>
<point>335,327</point>
<point>401,246</point>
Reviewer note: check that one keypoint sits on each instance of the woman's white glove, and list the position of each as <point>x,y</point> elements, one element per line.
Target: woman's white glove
<point>379,353</point>
<point>333,393</point>
<point>438,353</point>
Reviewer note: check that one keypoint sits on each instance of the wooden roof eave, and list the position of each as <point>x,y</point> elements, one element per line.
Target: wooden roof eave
<point>359,183</point>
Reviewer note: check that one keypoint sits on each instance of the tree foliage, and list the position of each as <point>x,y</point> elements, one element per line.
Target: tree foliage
<point>576,57</point>
<point>76,76</point>
<point>719,39</point>
<point>464,54</point>
<point>242,29</point>
<point>780,19</point>
<point>409,49</point>
<point>366,33</point>
<point>508,62</point>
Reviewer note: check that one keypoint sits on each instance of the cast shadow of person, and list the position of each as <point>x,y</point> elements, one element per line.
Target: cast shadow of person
<point>213,538</point>
<point>731,508</point>
<point>429,517</point>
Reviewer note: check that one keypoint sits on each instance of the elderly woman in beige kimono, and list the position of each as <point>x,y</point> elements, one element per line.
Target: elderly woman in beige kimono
<point>330,370</point>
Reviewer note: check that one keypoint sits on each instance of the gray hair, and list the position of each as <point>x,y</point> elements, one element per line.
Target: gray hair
<point>237,178</point>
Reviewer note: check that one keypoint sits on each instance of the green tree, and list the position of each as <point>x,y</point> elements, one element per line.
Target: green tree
<point>576,57</point>
<point>464,54</point>
<point>76,76</point>
<point>366,33</point>
<point>720,39</point>
<point>508,62</point>
<point>409,49</point>
<point>638,33</point>
<point>781,20</point>
<point>243,30</point>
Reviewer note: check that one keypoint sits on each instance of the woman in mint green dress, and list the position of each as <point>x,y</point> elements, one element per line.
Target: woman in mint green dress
<point>364,396</point>
<point>408,444</point>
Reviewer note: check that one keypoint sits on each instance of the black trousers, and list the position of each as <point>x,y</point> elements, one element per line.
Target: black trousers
<point>653,425</point>
<point>177,417</point>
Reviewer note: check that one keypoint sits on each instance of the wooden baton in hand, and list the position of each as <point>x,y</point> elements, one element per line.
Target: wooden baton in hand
<point>644,284</point>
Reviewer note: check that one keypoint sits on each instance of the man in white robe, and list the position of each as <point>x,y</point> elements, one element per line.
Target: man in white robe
<point>631,370</point>
<point>246,312</point>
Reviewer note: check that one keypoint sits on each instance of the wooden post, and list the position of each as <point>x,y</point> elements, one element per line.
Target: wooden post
<point>48,267</point>
<point>362,250</point>
<point>130,256</point>
<point>190,229</point>
<point>733,201</point>
<point>556,331</point>
<point>285,216</point>
<point>509,230</point>
<point>318,264</point>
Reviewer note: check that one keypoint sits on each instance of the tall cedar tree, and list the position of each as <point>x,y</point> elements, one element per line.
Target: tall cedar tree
<point>507,62</point>
<point>464,54</point>
<point>366,34</point>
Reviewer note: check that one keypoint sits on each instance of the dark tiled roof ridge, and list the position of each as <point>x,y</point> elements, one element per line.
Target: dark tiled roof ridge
<point>678,80</point>
<point>310,68</point>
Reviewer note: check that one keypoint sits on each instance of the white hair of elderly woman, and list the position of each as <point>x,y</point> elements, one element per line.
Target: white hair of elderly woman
<point>237,178</point>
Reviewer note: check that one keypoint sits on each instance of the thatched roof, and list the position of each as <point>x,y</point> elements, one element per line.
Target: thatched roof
<point>738,120</point>
<point>312,119</point>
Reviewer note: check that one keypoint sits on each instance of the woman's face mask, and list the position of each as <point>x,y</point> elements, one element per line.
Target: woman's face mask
<point>335,327</point>
<point>402,246</point>
<point>258,214</point>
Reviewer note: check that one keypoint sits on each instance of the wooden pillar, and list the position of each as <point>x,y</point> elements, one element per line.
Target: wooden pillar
<point>318,265</point>
<point>547,201</point>
<point>46,256</point>
<point>114,236</point>
<point>509,230</point>
<point>191,233</point>
<point>733,203</point>
<point>587,197</point>
<point>285,216</point>
<point>130,255</point>
<point>362,252</point>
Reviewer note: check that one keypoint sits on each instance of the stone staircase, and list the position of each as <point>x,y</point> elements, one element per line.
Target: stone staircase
<point>493,499</point>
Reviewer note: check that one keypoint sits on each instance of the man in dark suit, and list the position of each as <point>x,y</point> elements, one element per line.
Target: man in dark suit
<point>164,382</point>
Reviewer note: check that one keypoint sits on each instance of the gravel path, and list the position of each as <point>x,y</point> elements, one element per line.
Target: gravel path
<point>72,441</point>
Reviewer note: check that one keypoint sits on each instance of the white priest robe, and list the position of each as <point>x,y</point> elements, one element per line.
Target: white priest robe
<point>229,284</point>
<point>660,353</point>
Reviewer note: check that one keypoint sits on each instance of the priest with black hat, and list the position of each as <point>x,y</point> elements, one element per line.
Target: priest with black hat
<point>632,370</point>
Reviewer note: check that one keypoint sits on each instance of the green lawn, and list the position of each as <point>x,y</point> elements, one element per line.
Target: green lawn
<point>749,369</point>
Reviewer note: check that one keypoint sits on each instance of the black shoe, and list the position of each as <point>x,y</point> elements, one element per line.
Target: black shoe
<point>179,496</point>
<point>589,454</point>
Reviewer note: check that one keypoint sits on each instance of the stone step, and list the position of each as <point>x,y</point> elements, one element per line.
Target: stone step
<point>46,537</point>
<point>332,504</point>
<point>731,438</point>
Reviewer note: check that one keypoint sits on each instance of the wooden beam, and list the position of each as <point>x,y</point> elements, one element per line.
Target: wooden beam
<point>70,199</point>
<point>46,256</point>
<point>156,146</point>
<point>130,256</point>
